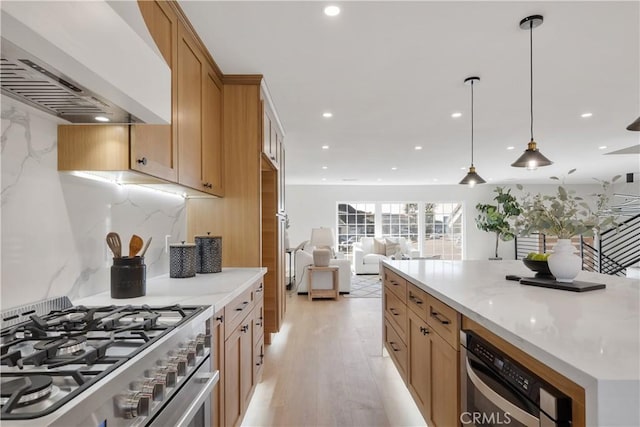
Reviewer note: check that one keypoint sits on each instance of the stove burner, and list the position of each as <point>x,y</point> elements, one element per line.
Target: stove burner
<point>64,345</point>
<point>31,389</point>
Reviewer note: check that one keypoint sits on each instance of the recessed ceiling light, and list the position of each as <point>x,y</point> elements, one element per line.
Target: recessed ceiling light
<point>456,115</point>
<point>325,147</point>
<point>463,168</point>
<point>327,114</point>
<point>394,168</point>
<point>379,179</point>
<point>435,179</point>
<point>602,147</point>
<point>101,118</point>
<point>511,147</point>
<point>585,115</point>
<point>331,10</point>
<point>324,179</point>
<point>418,147</point>
<point>325,167</point>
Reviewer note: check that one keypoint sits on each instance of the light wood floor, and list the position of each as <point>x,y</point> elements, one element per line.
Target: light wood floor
<point>325,368</point>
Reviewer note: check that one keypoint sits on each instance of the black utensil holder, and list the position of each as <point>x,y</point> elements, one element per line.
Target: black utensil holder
<point>128,277</point>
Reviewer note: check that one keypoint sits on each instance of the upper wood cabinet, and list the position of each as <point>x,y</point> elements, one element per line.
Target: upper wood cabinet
<point>153,151</point>
<point>271,136</point>
<point>212,160</point>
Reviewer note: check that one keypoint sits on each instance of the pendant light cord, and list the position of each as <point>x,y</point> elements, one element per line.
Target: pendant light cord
<point>471,122</point>
<point>531,73</point>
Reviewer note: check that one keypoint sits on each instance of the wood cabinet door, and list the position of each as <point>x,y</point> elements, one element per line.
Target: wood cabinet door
<point>162,23</point>
<point>266,130</point>
<point>232,380</point>
<point>419,380</point>
<point>246,361</point>
<point>153,151</point>
<point>217,364</point>
<point>212,161</point>
<point>444,382</point>
<point>282,207</point>
<point>189,110</point>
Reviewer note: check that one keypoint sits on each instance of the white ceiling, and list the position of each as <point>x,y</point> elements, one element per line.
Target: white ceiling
<point>392,73</point>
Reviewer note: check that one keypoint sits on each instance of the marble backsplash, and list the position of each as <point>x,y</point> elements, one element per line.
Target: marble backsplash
<point>54,224</point>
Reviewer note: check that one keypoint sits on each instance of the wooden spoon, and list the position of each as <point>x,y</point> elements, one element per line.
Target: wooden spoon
<point>113,240</point>
<point>135,244</point>
<point>146,246</point>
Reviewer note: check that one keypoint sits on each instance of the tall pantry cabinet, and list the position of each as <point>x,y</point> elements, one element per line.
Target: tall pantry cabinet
<point>250,218</point>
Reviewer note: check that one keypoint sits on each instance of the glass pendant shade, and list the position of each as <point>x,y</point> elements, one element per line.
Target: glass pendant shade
<point>531,158</point>
<point>472,178</point>
<point>635,126</point>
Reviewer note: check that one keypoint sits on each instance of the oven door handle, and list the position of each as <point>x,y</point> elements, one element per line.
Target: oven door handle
<point>502,403</point>
<point>210,379</point>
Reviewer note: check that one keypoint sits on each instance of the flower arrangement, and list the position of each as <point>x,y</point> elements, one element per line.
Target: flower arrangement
<point>564,214</point>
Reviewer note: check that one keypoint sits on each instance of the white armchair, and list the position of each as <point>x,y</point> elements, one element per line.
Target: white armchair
<point>321,280</point>
<point>367,254</point>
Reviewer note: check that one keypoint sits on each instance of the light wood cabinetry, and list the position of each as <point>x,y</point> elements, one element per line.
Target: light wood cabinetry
<point>217,364</point>
<point>243,351</point>
<point>212,161</point>
<point>249,218</point>
<point>419,335</point>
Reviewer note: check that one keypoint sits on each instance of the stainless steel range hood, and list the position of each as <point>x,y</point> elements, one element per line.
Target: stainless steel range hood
<point>82,60</point>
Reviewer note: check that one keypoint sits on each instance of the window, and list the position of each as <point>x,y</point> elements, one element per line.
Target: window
<point>443,230</point>
<point>400,220</point>
<point>355,220</point>
<point>433,228</point>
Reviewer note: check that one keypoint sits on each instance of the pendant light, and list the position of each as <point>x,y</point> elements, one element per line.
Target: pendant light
<point>472,178</point>
<point>531,158</point>
<point>635,125</point>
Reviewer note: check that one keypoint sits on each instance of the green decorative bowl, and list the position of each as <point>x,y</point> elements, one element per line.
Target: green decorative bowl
<point>540,267</point>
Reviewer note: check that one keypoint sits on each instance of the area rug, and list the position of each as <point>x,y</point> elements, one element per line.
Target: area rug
<point>365,286</point>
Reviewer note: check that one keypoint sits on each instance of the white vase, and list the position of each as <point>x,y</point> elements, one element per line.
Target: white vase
<point>564,264</point>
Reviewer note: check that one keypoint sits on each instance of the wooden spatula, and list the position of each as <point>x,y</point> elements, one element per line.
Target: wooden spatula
<point>113,240</point>
<point>135,244</point>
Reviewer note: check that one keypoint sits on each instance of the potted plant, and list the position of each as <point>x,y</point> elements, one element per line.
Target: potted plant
<point>564,215</point>
<point>495,218</point>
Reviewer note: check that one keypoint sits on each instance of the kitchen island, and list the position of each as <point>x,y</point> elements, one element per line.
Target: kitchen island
<point>591,338</point>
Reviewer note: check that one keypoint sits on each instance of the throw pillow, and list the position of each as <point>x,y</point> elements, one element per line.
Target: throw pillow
<point>379,247</point>
<point>367,244</point>
<point>393,248</point>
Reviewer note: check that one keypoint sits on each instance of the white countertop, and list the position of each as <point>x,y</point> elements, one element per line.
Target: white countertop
<point>215,289</point>
<point>593,338</point>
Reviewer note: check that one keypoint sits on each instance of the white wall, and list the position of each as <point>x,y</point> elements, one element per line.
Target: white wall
<point>316,206</point>
<point>54,225</point>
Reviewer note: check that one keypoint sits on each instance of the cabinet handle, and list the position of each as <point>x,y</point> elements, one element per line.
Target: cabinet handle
<point>259,290</point>
<point>436,315</point>
<point>242,306</point>
<point>393,347</point>
<point>220,319</point>
<point>207,185</point>
<point>394,312</point>
<point>424,330</point>
<point>245,328</point>
<point>415,300</point>
<point>393,282</point>
<point>273,157</point>
<point>142,161</point>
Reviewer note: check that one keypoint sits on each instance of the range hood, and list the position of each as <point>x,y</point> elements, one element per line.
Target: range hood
<point>81,60</point>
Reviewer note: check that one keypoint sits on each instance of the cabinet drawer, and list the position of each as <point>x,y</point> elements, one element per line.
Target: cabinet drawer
<point>397,348</point>
<point>237,310</point>
<point>417,301</point>
<point>444,320</point>
<point>396,283</point>
<point>396,310</point>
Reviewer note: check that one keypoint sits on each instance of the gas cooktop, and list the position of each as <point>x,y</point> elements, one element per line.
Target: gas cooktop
<point>49,359</point>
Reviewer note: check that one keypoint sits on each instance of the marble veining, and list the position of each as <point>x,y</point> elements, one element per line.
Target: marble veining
<point>54,224</point>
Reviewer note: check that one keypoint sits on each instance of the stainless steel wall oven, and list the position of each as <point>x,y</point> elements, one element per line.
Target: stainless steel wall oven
<point>497,391</point>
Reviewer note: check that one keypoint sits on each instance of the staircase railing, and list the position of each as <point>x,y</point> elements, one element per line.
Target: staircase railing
<point>612,252</point>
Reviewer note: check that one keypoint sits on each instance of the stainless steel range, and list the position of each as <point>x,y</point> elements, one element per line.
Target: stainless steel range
<point>65,365</point>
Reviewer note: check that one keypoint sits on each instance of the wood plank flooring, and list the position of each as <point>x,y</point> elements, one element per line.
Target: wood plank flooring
<point>326,368</point>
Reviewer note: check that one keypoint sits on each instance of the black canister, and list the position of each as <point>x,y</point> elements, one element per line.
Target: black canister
<point>182,260</point>
<point>208,254</point>
<point>128,277</point>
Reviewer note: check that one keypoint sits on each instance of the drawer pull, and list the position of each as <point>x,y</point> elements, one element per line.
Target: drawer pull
<point>142,161</point>
<point>220,319</point>
<point>244,328</point>
<point>393,282</point>
<point>242,306</point>
<point>436,315</point>
<point>394,311</point>
<point>393,347</point>
<point>259,290</point>
<point>415,299</point>
<point>424,330</point>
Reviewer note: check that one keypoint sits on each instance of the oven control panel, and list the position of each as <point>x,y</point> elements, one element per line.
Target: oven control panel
<point>162,379</point>
<point>507,369</point>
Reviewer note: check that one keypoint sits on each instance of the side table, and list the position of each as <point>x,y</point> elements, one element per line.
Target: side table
<point>324,293</point>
